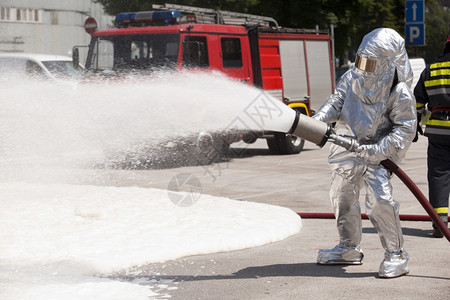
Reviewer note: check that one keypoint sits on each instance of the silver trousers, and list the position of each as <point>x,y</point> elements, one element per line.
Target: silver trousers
<point>381,208</point>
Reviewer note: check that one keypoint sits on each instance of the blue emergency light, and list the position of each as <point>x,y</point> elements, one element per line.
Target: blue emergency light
<point>148,17</point>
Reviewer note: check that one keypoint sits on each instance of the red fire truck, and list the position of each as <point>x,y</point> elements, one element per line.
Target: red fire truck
<point>292,65</point>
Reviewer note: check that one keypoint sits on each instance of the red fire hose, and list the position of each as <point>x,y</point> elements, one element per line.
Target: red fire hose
<point>390,165</point>
<point>314,215</point>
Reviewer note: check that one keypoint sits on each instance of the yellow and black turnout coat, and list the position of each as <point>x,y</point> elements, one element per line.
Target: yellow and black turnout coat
<point>433,91</point>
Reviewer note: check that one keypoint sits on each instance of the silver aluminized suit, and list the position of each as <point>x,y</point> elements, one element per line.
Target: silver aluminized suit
<point>373,104</point>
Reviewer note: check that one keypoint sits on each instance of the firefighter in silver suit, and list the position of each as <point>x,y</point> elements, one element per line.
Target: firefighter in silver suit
<point>373,104</point>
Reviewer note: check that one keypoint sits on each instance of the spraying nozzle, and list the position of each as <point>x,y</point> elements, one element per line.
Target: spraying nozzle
<point>319,132</point>
<point>310,129</point>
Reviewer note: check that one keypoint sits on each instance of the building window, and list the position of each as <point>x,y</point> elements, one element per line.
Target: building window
<point>5,14</point>
<point>22,15</point>
<point>54,18</point>
<point>18,15</point>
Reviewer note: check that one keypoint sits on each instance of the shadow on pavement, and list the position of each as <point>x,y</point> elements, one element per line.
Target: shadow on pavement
<point>406,231</point>
<point>300,269</point>
<point>278,270</point>
<point>243,152</point>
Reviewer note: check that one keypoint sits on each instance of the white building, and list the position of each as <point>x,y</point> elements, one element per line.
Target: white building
<point>47,26</point>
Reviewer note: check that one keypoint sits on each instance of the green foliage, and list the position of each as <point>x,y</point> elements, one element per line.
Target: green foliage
<point>114,7</point>
<point>352,18</point>
<point>437,21</point>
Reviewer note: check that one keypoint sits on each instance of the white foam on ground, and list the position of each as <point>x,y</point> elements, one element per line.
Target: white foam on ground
<point>56,238</point>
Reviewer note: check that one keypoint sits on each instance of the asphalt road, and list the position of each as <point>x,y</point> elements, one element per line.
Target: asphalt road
<point>287,269</point>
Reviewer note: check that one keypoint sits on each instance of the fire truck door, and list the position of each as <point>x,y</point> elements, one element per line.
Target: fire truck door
<point>293,68</point>
<point>234,57</point>
<point>306,69</point>
<point>321,80</point>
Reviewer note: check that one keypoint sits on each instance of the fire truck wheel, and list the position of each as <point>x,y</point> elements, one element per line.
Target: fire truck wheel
<point>283,143</point>
<point>291,144</point>
<point>274,146</point>
<point>225,148</point>
<point>249,138</point>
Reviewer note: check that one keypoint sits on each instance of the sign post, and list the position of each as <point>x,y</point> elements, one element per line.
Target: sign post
<point>415,22</point>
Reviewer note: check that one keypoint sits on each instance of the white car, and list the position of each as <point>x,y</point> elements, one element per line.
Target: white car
<point>417,66</point>
<point>38,66</point>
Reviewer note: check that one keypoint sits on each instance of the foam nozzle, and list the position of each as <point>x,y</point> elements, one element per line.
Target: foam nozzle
<point>319,133</point>
<point>310,129</point>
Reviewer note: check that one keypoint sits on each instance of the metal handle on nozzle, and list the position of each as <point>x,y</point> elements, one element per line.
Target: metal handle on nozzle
<point>348,143</point>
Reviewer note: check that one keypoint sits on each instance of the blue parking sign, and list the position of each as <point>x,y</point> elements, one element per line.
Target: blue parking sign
<point>415,34</point>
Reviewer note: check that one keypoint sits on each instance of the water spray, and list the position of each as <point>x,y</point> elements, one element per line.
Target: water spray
<point>320,133</point>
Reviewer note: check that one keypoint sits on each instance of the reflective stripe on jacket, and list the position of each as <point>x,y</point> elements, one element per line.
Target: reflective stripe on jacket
<point>433,91</point>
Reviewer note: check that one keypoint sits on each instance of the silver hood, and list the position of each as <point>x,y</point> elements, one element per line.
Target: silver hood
<point>381,54</point>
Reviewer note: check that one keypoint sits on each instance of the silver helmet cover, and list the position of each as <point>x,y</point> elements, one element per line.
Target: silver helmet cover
<point>381,53</point>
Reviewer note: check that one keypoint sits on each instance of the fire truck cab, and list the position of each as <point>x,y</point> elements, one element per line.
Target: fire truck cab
<point>293,65</point>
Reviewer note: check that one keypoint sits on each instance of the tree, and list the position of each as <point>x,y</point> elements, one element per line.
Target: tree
<point>437,21</point>
<point>114,7</point>
<point>356,18</point>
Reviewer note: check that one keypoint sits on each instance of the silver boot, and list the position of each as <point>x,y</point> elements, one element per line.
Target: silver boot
<point>340,255</point>
<point>395,264</point>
